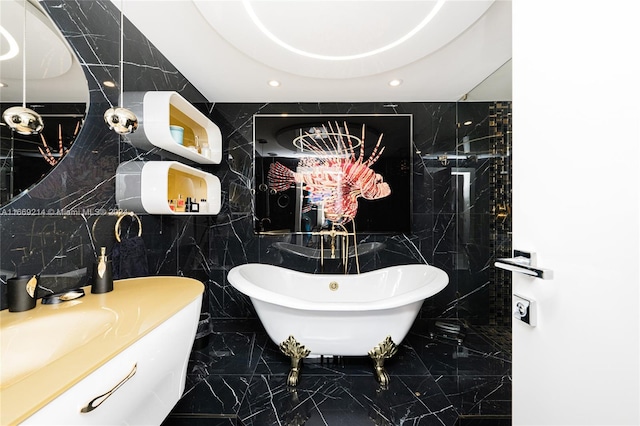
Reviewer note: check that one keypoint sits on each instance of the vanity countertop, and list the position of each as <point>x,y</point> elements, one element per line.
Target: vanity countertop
<point>134,308</point>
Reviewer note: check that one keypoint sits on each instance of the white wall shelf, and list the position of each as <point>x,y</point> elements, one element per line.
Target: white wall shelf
<point>147,187</point>
<point>157,111</point>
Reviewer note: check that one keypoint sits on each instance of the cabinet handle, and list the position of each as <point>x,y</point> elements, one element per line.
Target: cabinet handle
<point>95,402</point>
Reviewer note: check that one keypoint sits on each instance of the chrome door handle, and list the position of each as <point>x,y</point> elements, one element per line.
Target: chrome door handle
<point>525,263</point>
<point>95,402</point>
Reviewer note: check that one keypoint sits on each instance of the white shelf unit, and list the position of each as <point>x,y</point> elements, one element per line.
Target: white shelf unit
<point>147,187</point>
<point>157,111</point>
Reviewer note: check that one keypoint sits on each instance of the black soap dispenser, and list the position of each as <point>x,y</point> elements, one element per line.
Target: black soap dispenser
<point>102,274</point>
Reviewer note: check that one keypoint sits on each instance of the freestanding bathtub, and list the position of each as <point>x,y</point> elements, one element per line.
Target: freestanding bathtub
<point>338,315</point>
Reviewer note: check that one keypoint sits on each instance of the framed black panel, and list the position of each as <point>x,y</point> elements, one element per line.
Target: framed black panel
<point>313,171</point>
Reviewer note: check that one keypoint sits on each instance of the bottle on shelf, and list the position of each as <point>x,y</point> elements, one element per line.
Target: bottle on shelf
<point>205,150</point>
<point>180,204</point>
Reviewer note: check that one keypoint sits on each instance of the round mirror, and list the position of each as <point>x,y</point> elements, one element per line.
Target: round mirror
<point>37,68</point>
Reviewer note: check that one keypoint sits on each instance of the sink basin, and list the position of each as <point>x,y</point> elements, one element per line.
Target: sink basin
<point>50,338</point>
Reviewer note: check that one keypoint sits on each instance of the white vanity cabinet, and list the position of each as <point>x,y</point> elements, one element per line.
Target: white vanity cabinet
<point>156,372</point>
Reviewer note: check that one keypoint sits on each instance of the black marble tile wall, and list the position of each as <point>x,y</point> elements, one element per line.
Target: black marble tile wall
<point>448,231</point>
<point>57,226</point>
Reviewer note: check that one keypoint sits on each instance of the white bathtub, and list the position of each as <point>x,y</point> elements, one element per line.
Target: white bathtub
<point>347,321</point>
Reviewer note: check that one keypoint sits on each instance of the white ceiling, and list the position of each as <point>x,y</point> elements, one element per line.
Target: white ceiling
<point>330,54</point>
<point>339,51</point>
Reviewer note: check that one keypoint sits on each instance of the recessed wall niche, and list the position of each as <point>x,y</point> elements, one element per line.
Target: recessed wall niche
<point>312,171</point>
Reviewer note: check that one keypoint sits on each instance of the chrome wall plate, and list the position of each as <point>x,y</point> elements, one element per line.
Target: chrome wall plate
<point>525,310</point>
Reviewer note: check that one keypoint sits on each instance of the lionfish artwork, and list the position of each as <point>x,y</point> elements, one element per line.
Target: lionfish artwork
<point>331,176</point>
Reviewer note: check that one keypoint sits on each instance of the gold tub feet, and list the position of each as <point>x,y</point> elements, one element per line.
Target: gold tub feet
<point>384,350</point>
<point>296,352</point>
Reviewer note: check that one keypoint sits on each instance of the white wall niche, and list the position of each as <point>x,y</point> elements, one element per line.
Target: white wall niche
<point>147,187</point>
<point>158,110</point>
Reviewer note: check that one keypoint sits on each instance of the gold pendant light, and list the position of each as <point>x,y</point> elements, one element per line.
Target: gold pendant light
<point>120,119</point>
<point>21,119</point>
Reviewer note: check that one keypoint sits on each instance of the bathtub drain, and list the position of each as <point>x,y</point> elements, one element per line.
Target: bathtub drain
<point>333,286</point>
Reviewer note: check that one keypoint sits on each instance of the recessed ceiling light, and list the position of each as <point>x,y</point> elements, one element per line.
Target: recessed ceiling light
<point>109,83</point>
<point>3,84</point>
<point>395,83</point>
<point>467,123</point>
<point>274,83</point>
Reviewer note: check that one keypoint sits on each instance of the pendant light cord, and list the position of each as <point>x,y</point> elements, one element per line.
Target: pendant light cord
<point>24,55</point>
<point>121,52</point>
<point>120,119</point>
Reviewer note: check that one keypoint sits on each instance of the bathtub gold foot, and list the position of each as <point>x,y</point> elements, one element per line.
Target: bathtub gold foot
<point>296,352</point>
<point>384,350</point>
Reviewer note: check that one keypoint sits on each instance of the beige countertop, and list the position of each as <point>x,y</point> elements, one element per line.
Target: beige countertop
<point>138,306</point>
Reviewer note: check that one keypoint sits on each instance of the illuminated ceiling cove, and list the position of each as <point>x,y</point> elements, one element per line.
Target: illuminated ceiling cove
<point>329,50</point>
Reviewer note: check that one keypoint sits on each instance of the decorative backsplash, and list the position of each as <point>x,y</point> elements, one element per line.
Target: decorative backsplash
<point>456,215</point>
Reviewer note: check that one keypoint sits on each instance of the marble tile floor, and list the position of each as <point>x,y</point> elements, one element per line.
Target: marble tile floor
<point>237,376</point>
